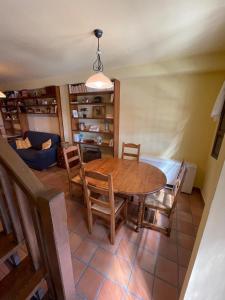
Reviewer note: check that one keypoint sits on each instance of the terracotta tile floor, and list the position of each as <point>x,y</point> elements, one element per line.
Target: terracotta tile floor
<point>144,265</point>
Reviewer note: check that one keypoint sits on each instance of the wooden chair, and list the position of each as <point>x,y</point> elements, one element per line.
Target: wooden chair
<point>100,199</point>
<point>73,166</point>
<point>126,155</point>
<point>163,202</point>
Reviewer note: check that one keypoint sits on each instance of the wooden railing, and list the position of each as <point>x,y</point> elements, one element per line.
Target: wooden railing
<point>37,215</point>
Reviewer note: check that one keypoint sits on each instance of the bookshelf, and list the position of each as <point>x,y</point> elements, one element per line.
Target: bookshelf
<point>18,104</point>
<point>95,118</point>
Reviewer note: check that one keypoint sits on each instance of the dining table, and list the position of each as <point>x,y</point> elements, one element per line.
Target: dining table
<point>130,178</point>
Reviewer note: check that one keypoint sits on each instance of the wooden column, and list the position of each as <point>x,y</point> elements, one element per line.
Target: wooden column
<point>28,226</point>
<point>4,215</point>
<point>53,221</point>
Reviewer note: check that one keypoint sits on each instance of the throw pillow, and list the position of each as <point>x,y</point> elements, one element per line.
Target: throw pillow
<point>23,144</point>
<point>46,145</point>
<point>28,143</point>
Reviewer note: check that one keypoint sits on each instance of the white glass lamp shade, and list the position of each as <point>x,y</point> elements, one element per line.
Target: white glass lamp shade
<point>2,95</point>
<point>99,81</point>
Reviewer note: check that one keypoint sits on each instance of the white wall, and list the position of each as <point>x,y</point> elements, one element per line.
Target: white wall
<point>207,277</point>
<point>43,123</point>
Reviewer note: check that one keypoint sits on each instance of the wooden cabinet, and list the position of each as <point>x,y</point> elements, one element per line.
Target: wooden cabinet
<point>95,117</point>
<point>18,104</point>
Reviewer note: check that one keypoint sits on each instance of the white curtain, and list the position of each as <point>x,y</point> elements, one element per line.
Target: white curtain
<point>218,106</point>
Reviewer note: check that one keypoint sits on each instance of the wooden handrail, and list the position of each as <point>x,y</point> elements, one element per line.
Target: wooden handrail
<point>38,214</point>
<point>20,172</point>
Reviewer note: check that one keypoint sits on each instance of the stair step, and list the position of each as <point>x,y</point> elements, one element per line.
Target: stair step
<point>8,246</point>
<point>22,282</point>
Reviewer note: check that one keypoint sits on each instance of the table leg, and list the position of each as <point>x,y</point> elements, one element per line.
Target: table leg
<point>140,211</point>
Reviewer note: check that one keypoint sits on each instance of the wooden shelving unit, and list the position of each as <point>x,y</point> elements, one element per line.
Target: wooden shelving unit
<point>98,109</point>
<point>18,104</point>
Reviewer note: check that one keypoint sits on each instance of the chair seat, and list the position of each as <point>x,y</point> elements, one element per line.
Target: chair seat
<point>77,179</point>
<point>118,203</point>
<point>160,200</point>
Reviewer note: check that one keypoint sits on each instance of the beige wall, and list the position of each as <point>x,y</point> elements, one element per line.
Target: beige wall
<point>205,276</point>
<point>43,123</point>
<point>212,174</point>
<point>170,115</point>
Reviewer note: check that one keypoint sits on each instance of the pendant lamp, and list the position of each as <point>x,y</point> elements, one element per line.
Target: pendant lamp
<point>98,80</point>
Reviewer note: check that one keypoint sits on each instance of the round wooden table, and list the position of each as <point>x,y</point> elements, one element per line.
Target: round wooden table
<point>130,178</point>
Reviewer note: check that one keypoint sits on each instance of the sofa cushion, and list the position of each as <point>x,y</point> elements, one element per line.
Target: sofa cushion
<point>28,154</point>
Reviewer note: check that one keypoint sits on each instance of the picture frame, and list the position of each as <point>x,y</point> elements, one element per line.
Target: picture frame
<point>98,111</point>
<point>75,113</point>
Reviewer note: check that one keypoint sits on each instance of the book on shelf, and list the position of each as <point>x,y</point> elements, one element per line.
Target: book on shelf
<point>81,88</point>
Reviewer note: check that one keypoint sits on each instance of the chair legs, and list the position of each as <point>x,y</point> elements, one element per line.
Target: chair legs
<point>152,223</point>
<point>90,221</point>
<point>70,190</point>
<point>112,230</point>
<point>125,212</point>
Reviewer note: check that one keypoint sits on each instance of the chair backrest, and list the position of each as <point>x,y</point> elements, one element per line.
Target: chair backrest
<point>178,185</point>
<point>180,179</point>
<point>134,153</point>
<point>98,189</point>
<point>72,160</point>
<point>180,169</point>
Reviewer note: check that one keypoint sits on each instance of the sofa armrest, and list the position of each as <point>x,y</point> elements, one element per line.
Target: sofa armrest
<point>13,144</point>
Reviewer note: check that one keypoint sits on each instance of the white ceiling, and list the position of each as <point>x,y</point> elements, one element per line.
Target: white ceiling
<point>50,37</point>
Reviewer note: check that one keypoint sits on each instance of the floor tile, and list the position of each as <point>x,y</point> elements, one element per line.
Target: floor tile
<point>184,216</point>
<point>150,240</point>
<point>186,228</point>
<point>182,273</point>
<point>146,260</point>
<point>127,232</point>
<point>85,250</point>
<point>89,284</point>
<point>164,291</point>
<point>82,229</point>
<point>75,241</point>
<point>168,249</point>
<point>112,266</point>
<point>99,232</point>
<point>127,250</point>
<point>111,291</point>
<point>172,237</point>
<point>105,244</point>
<point>183,207</point>
<point>184,256</point>
<point>196,210</point>
<point>129,296</point>
<point>185,241</point>
<point>78,269</point>
<point>167,270</point>
<point>141,283</point>
<point>196,220</point>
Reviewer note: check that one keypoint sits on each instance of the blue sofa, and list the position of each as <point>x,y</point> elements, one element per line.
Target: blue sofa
<point>35,157</point>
